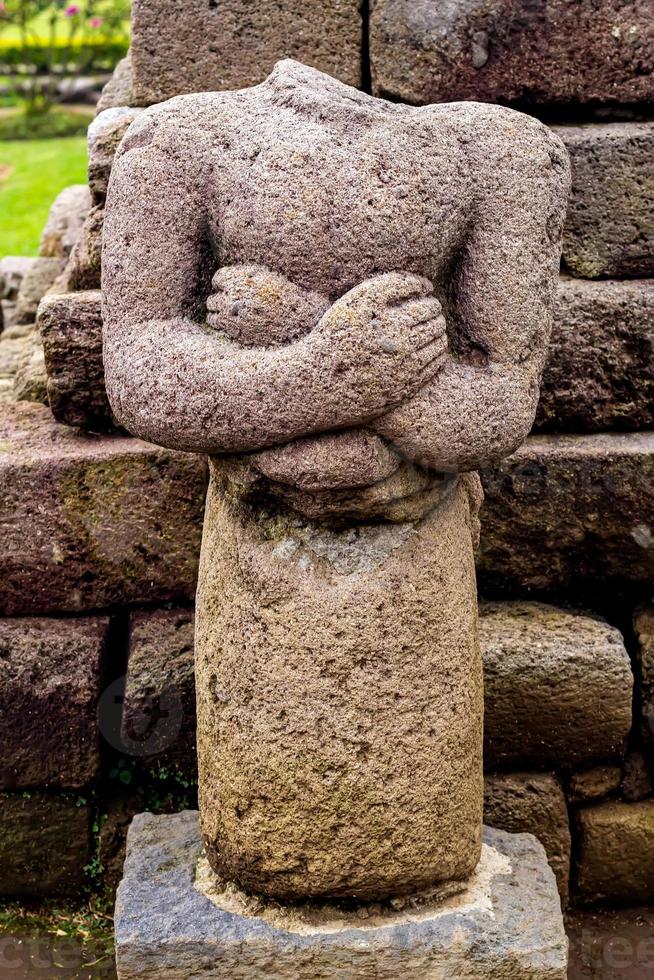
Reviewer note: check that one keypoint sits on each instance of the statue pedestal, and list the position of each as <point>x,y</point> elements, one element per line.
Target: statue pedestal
<point>174,919</point>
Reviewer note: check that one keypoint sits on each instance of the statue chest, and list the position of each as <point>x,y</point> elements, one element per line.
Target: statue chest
<point>329,208</point>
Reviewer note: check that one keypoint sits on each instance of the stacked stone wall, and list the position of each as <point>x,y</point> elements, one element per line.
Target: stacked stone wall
<point>101,533</point>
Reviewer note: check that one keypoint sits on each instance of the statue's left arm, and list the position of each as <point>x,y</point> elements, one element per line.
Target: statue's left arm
<point>482,404</point>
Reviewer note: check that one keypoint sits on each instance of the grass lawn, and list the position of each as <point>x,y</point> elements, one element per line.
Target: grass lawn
<point>32,172</point>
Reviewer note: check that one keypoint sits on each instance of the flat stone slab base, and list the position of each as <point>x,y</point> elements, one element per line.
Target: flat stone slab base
<point>176,919</point>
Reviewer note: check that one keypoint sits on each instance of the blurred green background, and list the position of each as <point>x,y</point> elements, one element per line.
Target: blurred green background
<point>46,47</point>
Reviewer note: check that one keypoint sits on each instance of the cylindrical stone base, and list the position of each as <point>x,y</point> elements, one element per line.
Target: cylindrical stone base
<point>339,700</point>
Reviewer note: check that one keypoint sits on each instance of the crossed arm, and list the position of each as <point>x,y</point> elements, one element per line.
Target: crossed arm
<point>173,383</point>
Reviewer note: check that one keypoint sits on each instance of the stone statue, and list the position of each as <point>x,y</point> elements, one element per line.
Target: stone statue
<point>346,304</point>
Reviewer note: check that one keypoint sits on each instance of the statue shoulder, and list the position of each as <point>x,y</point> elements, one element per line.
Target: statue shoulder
<point>185,123</point>
<point>492,132</point>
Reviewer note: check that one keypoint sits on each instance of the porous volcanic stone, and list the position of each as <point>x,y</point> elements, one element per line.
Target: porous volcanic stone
<point>295,767</point>
<point>532,803</point>
<point>92,521</point>
<point>593,784</point>
<point>558,687</point>
<point>533,54</point>
<point>235,43</point>
<point>83,268</point>
<point>30,380</point>
<point>118,90</point>
<point>599,374</point>
<point>44,845</point>
<point>158,723</point>
<point>36,282</point>
<point>609,228</point>
<point>71,329</point>
<point>170,923</point>
<point>391,176</point>
<point>50,672</point>
<point>568,510</point>
<point>65,220</point>
<point>13,269</point>
<point>615,854</point>
<point>103,138</point>
<point>637,776</point>
<point>223,333</point>
<point>644,630</point>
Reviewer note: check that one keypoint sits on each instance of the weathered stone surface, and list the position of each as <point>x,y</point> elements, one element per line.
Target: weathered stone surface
<point>530,54</point>
<point>82,270</point>
<point>598,375</point>
<point>16,347</point>
<point>236,43</point>
<point>65,221</point>
<point>593,784</point>
<point>118,90</point>
<point>532,803</point>
<point>304,768</point>
<point>636,776</point>
<point>223,333</point>
<point>158,722</point>
<point>30,381</point>
<point>50,673</point>
<point>116,814</point>
<point>644,630</point>
<point>44,845</point>
<point>157,271</point>
<point>13,269</point>
<point>558,687</point>
<point>568,510</point>
<point>71,328</point>
<point>104,136</point>
<point>615,855</point>
<point>91,521</point>
<point>506,923</point>
<point>36,282</point>
<point>609,228</point>
<point>599,372</point>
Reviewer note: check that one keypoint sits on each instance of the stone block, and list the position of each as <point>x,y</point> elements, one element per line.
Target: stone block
<point>118,90</point>
<point>71,329</point>
<point>609,227</point>
<point>44,845</point>
<point>93,521</point>
<point>30,380</point>
<point>637,776</point>
<point>644,631</point>
<point>599,372</point>
<point>532,803</point>
<point>65,221</point>
<point>615,853</point>
<point>558,687</point>
<point>103,138</point>
<point>13,269</point>
<point>116,815</point>
<point>50,676</point>
<point>83,269</point>
<point>599,53</point>
<point>35,283</point>
<point>158,722</point>
<point>569,511</point>
<point>174,919</point>
<point>593,784</point>
<point>235,43</point>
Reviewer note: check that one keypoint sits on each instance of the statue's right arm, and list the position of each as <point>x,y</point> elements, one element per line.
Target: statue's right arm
<point>173,382</point>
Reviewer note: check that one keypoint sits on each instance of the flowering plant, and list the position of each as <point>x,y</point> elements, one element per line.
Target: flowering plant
<point>42,41</point>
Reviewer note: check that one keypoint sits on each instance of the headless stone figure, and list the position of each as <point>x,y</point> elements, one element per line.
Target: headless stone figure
<point>346,304</point>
